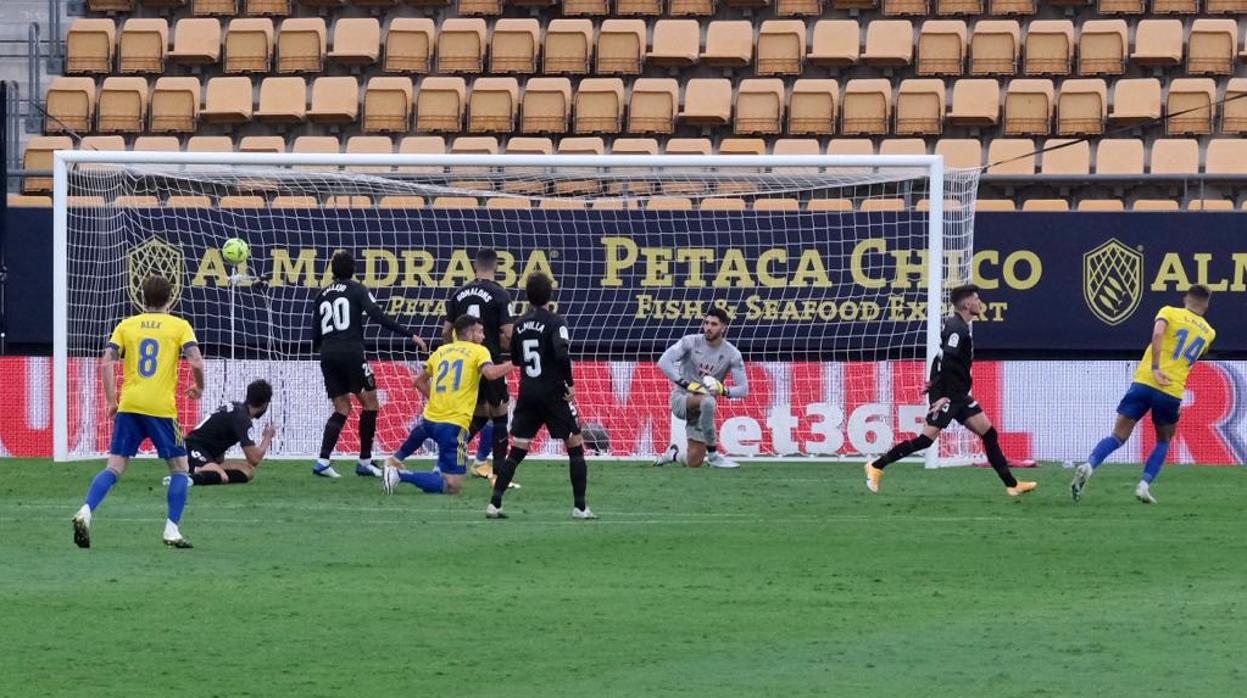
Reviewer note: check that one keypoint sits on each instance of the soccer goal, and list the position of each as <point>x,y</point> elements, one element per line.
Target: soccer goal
<point>833,269</point>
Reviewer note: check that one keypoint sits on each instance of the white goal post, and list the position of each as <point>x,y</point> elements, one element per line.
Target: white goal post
<point>769,237</point>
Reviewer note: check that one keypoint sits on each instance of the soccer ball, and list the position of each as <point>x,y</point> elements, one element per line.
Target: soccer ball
<point>235,250</point>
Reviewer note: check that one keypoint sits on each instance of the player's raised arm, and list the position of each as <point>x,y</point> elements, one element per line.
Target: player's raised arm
<point>369,304</point>
<point>255,453</point>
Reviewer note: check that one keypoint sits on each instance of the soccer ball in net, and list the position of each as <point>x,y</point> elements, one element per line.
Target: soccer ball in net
<point>235,250</point>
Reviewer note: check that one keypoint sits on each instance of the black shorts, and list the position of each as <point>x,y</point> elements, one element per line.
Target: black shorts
<point>958,408</point>
<point>347,373</point>
<point>196,457</point>
<point>558,415</point>
<point>493,392</point>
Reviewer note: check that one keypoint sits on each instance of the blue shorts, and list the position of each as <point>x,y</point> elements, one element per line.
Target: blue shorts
<point>130,430</point>
<point>1140,398</point>
<point>452,444</point>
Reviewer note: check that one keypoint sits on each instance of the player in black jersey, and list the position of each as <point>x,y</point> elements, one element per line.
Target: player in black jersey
<point>231,424</point>
<point>547,396</point>
<point>338,333</point>
<point>949,393</point>
<point>486,299</point>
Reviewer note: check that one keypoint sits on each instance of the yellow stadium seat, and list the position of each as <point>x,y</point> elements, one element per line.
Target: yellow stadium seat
<point>621,47</point>
<point>356,41</point>
<point>196,41</point>
<point>653,106</point>
<point>301,45</point>
<point>157,144</point>
<point>70,105</point>
<point>1011,7</point>
<point>760,106</point>
<point>143,46</point>
<point>514,46</point>
<point>335,101</point>
<point>941,47</point>
<point>547,105</point>
<point>388,103</point>
<point>1119,156</point>
<point>214,8</point>
<point>1155,205</point>
<point>480,8</point>
<point>798,8</point>
<point>707,102</point>
<point>267,8</point>
<point>600,106</point>
<point>866,107</point>
<point>976,102</point>
<point>1098,205</point>
<point>580,8</point>
<point>1048,205</point>
<point>1029,107</point>
<point>123,105</point>
<point>1135,101</point>
<point>995,47</point>
<point>409,45</point>
<point>1190,106</point>
<point>369,145</point>
<point>493,105</point>
<point>1213,46</point>
<point>677,43</point>
<point>1013,156</point>
<point>1158,42</point>
<point>1066,157</point>
<point>89,46</point>
<point>249,45</point>
<point>729,43</point>
<point>995,205</point>
<point>568,47</point>
<point>1121,7</point>
<point>889,43</point>
<point>1174,156</point>
<point>1082,107</point>
<point>836,43</point>
<point>897,8</point>
<point>1102,47</point>
<point>920,107</point>
<point>1226,156</point>
<point>960,152</point>
<point>262,144</point>
<point>1234,110</point>
<point>283,101</point>
<point>461,46</point>
<point>781,47</point>
<point>441,105</point>
<point>813,107</point>
<point>1049,47</point>
<point>38,156</point>
<point>227,101</point>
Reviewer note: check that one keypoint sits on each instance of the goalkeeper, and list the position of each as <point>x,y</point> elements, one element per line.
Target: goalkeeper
<point>698,365</point>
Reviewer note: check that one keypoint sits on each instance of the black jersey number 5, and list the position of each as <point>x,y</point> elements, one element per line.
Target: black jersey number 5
<point>335,315</point>
<point>532,358</point>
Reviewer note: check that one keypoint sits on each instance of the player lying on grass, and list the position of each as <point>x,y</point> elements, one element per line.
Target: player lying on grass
<point>229,425</point>
<point>698,364</point>
<point>547,397</point>
<point>448,383</point>
<point>949,393</point>
<point>338,334</point>
<point>485,299</point>
<point>149,346</point>
<point>1180,337</point>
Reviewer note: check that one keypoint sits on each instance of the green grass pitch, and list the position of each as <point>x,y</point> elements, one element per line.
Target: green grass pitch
<point>780,579</point>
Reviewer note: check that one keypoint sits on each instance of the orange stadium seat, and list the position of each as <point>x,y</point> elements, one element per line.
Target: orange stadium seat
<point>1226,156</point>
<point>889,43</point>
<point>441,105</point>
<point>89,46</point>
<point>409,45</point>
<point>140,201</point>
<point>653,106</point>
<point>369,145</point>
<point>514,46</point>
<point>157,144</point>
<point>175,105</point>
<point>707,102</point>
<point>38,156</point>
<point>1190,106</point>
<point>1067,157</point>
<point>70,105</point>
<point>1121,7</point>
<point>729,43</point>
<point>1225,7</point>
<point>1049,47</point>
<point>669,203</point>
<point>1119,156</point>
<point>841,205</point>
<point>995,47</point>
<point>283,101</point>
<point>1175,7</point>
<point>781,47</point>
<point>1212,46</point>
<point>1101,205</point>
<point>600,105</point>
<point>1102,47</point>
<point>960,152</point>
<point>760,106</point>
<point>621,47</point>
<point>143,45</point>
<point>301,45</point>
<point>903,146</point>
<point>1012,156</point>
<point>851,5</point>
<point>866,108</point>
<point>335,101</point>
<point>1049,205</point>
<point>525,145</point>
<point>249,45</point>
<point>493,105</point>
<point>1135,101</point>
<point>508,202</point>
<point>102,143</point>
<point>227,100</point>
<point>742,146</point>
<point>941,47</point>
<point>797,146</point>
<point>388,103</point>
<point>568,47</point>
<point>1174,156</point>
<point>721,204</point>
<point>356,41</point>
<point>691,8</point>
<point>850,146</point>
<point>976,102</point>
<point>895,8</point>
<point>547,105</point>
<point>580,8</point>
<point>583,145</point>
<point>421,145</point>
<point>110,5</point>
<point>920,105</point>
<point>262,144</point>
<point>209,144</point>
<point>294,202</point>
<point>123,105</point>
<point>1029,107</point>
<point>1210,205</point>
<point>1011,7</point>
<point>632,146</point>
<point>813,108</point>
<point>959,7</point>
<point>461,46</point>
<point>883,205</point>
<point>480,8</point>
<point>1082,107</point>
<point>1234,109</point>
<point>214,8</point>
<point>798,8</point>
<point>836,43</point>
<point>267,8</point>
<point>776,204</point>
<point>1158,42</point>
<point>677,43</point>
<point>243,201</point>
<point>1155,205</point>
<point>196,41</point>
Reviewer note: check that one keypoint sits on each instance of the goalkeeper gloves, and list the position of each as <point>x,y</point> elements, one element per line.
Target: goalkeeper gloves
<point>712,385</point>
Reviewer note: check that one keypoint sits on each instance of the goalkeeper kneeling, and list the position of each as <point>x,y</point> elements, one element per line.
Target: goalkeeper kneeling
<point>698,364</point>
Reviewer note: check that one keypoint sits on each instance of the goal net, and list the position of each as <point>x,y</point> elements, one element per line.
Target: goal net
<point>834,271</point>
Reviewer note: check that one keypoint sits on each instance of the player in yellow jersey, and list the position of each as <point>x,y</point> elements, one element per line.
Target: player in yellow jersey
<point>1180,337</point>
<point>449,384</point>
<point>149,346</point>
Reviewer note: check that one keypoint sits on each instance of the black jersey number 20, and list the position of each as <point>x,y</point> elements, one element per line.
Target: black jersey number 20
<point>335,315</point>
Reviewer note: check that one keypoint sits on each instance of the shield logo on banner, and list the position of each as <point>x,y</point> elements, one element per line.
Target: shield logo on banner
<point>1112,281</point>
<point>154,256</point>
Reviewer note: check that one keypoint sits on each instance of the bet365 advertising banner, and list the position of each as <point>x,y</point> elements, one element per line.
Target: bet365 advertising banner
<point>816,286</point>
